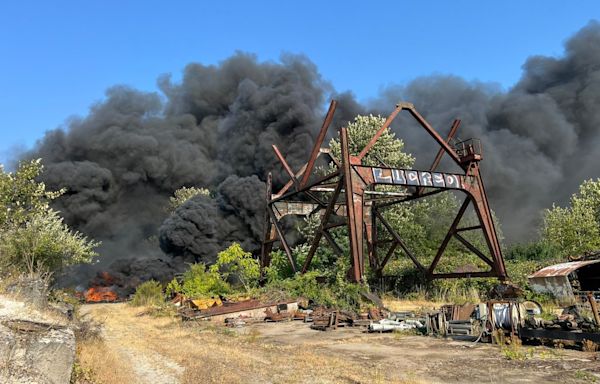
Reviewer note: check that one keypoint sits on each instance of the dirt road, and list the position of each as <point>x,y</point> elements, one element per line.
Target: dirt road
<point>146,349</point>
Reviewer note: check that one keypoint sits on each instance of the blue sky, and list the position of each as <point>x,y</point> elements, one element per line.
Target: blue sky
<point>57,58</point>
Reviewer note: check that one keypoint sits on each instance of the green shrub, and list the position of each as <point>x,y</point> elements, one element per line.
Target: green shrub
<point>198,282</point>
<point>532,251</point>
<point>329,288</point>
<point>33,236</point>
<point>173,287</point>
<point>148,293</point>
<point>237,263</point>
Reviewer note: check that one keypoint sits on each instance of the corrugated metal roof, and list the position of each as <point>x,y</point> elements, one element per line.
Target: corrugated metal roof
<point>563,269</point>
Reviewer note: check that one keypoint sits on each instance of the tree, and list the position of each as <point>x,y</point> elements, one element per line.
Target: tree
<point>575,229</point>
<point>388,148</point>
<point>234,261</point>
<point>33,237</point>
<point>183,194</point>
<point>21,196</point>
<point>198,282</point>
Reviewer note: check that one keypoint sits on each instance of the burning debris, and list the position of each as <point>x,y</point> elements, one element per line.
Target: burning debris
<point>104,288</point>
<point>100,295</point>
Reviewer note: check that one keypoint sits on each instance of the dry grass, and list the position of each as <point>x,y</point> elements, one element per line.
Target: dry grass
<point>399,305</point>
<point>159,350</point>
<point>210,354</point>
<point>102,364</point>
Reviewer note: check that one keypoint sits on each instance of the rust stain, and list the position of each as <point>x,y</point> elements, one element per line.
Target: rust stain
<point>562,269</point>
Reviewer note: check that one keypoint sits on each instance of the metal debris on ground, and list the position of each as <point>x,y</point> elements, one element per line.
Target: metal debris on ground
<point>389,325</point>
<point>244,309</point>
<point>512,318</point>
<point>325,321</point>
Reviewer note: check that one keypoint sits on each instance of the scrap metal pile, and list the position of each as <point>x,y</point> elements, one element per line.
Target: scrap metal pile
<point>347,196</point>
<point>492,321</point>
<point>512,318</point>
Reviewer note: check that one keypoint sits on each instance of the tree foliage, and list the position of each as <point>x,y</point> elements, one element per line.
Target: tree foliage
<point>199,282</point>
<point>183,194</point>
<point>237,263</point>
<point>575,229</point>
<point>388,148</point>
<point>33,236</point>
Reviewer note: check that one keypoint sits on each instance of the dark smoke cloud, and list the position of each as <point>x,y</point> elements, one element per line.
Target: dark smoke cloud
<point>204,226</point>
<point>540,138</point>
<point>215,128</point>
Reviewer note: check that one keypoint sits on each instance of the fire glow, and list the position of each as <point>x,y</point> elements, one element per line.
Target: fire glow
<point>100,294</point>
<point>102,289</point>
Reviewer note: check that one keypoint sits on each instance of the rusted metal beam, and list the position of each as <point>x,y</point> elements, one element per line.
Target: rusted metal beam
<point>306,188</point>
<point>353,209</point>
<point>293,178</point>
<point>399,241</point>
<point>590,297</point>
<point>474,249</point>
<point>318,142</point>
<point>387,257</point>
<point>286,166</point>
<point>379,132</point>
<point>322,224</point>
<point>286,247</point>
<point>472,228</point>
<point>267,238</point>
<point>432,132</point>
<point>374,260</point>
<point>336,248</point>
<point>449,235</point>
<point>289,184</point>
<point>440,153</point>
<point>410,198</point>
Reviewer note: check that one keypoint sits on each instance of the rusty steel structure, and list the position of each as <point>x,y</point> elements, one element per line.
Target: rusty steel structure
<point>347,197</point>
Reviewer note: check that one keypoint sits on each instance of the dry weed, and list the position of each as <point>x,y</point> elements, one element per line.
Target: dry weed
<point>101,365</point>
<point>215,354</point>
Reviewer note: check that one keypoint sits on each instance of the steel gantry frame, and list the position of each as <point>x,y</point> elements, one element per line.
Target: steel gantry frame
<point>347,196</point>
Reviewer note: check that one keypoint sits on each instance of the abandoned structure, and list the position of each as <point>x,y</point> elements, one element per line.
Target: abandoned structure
<point>347,197</point>
<point>568,281</point>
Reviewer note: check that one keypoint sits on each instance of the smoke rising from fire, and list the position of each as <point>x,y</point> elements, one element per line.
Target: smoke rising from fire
<point>215,128</point>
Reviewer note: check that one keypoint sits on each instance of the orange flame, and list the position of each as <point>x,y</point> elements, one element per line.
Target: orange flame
<point>98,294</point>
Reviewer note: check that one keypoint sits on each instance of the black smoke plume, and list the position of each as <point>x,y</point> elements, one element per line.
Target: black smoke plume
<point>215,128</point>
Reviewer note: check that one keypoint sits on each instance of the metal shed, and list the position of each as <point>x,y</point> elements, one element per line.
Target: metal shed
<point>566,280</point>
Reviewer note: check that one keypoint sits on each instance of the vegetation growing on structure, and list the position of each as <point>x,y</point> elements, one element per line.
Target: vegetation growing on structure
<point>421,224</point>
<point>328,286</point>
